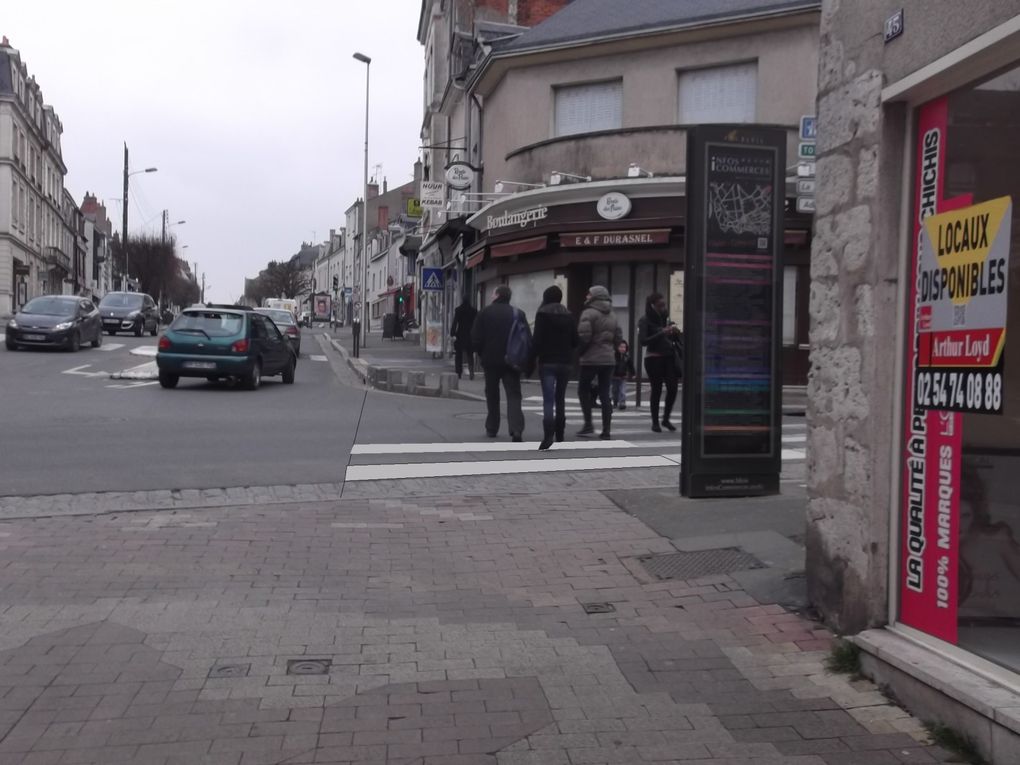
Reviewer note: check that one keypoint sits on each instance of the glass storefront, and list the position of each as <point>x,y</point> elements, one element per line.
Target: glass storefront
<point>960,519</point>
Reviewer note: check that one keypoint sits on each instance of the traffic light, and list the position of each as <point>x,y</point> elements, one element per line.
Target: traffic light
<point>336,282</point>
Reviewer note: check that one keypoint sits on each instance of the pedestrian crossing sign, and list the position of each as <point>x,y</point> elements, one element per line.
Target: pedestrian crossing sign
<point>432,279</point>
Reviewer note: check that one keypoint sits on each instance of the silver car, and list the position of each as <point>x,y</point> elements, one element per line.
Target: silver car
<point>286,323</point>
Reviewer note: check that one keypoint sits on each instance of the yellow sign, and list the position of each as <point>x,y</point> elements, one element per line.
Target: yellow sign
<point>414,208</point>
<point>962,241</point>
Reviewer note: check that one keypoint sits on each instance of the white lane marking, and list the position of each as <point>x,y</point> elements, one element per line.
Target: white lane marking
<point>3,336</point>
<point>794,454</point>
<point>482,446</point>
<point>497,467</point>
<point>317,358</point>
<point>359,525</point>
<point>145,350</point>
<point>135,384</point>
<point>111,346</point>
<point>146,371</point>
<point>79,371</point>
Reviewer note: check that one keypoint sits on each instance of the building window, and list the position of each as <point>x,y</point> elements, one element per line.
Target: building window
<point>719,94</point>
<point>587,108</point>
<point>959,567</point>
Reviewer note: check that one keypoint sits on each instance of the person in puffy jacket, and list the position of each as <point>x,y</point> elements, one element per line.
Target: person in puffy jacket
<point>599,334</point>
<point>554,342</point>
<point>658,336</point>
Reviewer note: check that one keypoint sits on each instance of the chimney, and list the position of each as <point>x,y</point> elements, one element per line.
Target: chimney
<point>384,185</point>
<point>373,190</point>
<point>532,12</point>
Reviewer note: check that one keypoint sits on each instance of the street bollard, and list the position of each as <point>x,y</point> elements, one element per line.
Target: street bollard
<point>356,329</point>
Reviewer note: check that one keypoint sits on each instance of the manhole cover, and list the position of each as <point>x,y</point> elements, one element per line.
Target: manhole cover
<point>691,565</point>
<point>230,670</point>
<point>598,608</point>
<point>308,666</point>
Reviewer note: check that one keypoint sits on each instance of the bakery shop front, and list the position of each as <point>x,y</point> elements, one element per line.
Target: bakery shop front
<point>626,235</point>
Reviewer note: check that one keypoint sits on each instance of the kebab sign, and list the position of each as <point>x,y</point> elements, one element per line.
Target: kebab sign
<point>962,296</point>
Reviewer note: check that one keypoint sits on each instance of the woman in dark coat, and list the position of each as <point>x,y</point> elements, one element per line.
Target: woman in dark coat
<point>658,335</point>
<point>553,345</point>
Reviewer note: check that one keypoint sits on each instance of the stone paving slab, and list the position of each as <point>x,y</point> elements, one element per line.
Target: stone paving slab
<point>449,630</point>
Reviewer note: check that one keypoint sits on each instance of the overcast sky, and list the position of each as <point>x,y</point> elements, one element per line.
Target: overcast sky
<point>252,111</point>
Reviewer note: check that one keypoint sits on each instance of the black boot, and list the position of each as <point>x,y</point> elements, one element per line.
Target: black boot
<point>587,429</point>
<point>548,432</point>
<point>667,424</point>
<point>561,426</point>
<point>655,419</point>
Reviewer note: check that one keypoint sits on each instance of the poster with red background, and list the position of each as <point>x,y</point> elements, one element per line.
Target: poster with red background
<point>930,514</point>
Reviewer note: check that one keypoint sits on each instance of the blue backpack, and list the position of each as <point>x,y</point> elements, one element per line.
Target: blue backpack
<point>518,343</point>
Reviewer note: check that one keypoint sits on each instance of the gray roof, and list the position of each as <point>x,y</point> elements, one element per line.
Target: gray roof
<point>591,19</point>
<point>6,84</point>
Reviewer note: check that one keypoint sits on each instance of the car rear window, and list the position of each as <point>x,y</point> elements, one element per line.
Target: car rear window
<point>280,317</point>
<point>209,323</point>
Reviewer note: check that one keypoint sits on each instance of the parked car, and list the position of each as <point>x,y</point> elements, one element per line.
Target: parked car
<point>287,324</point>
<point>129,312</point>
<point>218,342</point>
<point>55,321</point>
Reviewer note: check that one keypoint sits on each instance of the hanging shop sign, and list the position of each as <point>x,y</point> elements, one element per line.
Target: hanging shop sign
<point>733,312</point>
<point>432,195</point>
<point>519,218</point>
<point>616,238</point>
<point>962,308</point>
<point>460,175</point>
<point>930,512</point>
<point>613,206</point>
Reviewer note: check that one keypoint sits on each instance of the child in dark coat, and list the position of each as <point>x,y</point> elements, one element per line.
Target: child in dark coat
<point>622,371</point>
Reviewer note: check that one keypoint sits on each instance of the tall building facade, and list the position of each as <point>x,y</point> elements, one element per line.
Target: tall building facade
<point>913,538</point>
<point>37,252</point>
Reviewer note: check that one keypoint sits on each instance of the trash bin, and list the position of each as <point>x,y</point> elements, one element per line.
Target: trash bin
<point>389,325</point>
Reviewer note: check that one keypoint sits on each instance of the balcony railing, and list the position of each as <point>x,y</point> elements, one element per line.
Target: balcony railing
<point>57,258</point>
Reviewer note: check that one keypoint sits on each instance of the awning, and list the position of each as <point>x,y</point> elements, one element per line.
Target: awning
<point>520,247</point>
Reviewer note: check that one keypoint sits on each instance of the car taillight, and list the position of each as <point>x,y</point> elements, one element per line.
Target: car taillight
<point>241,346</point>
<point>292,330</point>
<point>164,343</point>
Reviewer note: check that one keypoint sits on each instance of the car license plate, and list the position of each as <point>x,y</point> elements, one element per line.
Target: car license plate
<point>199,365</point>
<point>35,338</point>
<point>113,322</point>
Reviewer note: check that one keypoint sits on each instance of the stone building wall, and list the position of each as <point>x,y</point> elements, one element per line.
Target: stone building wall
<point>855,266</point>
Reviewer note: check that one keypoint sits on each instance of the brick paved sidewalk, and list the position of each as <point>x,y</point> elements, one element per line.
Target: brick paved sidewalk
<point>418,631</point>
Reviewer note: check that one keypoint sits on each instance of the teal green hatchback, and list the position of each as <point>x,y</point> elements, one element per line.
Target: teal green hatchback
<point>224,342</point>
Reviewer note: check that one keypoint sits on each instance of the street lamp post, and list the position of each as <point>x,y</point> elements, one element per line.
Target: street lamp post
<point>124,229</point>
<point>364,211</point>
<point>167,224</point>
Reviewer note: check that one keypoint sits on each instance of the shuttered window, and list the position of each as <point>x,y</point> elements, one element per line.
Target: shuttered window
<point>589,107</point>
<point>719,94</point>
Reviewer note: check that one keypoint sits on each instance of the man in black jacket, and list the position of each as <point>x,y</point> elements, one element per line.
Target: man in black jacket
<point>554,345</point>
<point>489,338</point>
<point>463,321</point>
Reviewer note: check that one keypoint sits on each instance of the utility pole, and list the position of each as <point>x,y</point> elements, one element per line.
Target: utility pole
<point>124,207</point>
<point>163,238</point>
<point>203,288</point>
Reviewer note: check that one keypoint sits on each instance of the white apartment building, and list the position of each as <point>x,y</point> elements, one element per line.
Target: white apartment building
<point>35,251</point>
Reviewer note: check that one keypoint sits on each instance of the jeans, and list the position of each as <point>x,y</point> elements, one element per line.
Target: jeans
<point>619,391</point>
<point>511,381</point>
<point>661,370</point>
<point>584,381</point>
<point>554,389</point>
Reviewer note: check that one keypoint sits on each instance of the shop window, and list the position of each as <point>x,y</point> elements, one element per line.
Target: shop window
<point>719,94</point>
<point>587,108</point>
<point>960,509</point>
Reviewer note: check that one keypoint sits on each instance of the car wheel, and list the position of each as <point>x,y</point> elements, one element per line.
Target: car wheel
<point>138,328</point>
<point>74,343</point>
<point>168,380</point>
<point>98,340</point>
<point>253,379</point>
<point>288,372</point>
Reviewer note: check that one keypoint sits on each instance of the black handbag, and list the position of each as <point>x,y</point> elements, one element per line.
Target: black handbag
<point>678,355</point>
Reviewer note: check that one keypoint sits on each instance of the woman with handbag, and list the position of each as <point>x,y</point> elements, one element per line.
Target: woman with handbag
<point>661,340</point>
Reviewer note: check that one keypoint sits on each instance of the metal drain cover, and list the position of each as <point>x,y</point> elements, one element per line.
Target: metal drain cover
<point>308,666</point>
<point>698,563</point>
<point>230,670</point>
<point>598,608</point>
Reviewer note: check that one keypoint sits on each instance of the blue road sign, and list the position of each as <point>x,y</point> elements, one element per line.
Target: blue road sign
<point>808,128</point>
<point>432,279</point>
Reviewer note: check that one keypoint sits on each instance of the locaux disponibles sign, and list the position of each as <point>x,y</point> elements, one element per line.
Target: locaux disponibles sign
<point>961,303</point>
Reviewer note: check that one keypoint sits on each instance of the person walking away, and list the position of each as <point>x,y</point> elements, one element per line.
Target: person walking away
<point>463,321</point>
<point>599,334</point>
<point>489,337</point>
<point>657,335</point>
<point>622,371</point>
<point>554,343</point>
